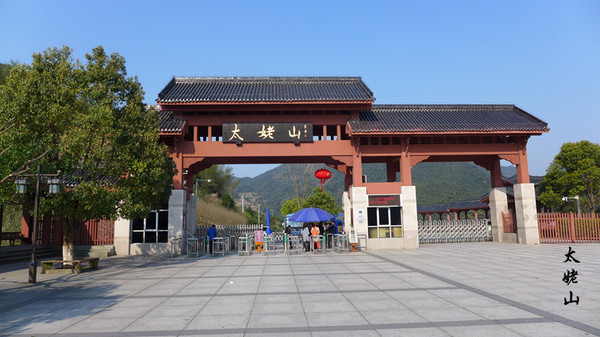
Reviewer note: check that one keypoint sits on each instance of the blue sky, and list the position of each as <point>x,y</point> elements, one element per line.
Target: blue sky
<point>543,56</point>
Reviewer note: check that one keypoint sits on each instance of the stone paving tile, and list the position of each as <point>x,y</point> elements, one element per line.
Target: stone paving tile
<point>44,326</point>
<point>225,309</point>
<point>335,318</point>
<point>549,329</point>
<point>347,333</point>
<point>189,311</point>
<point>413,332</point>
<point>501,311</point>
<point>235,299</point>
<point>390,304</point>
<point>308,297</point>
<point>277,321</point>
<point>329,306</point>
<point>158,324</point>
<point>486,330</point>
<point>123,312</point>
<point>216,322</point>
<point>443,314</point>
<point>391,316</point>
<point>471,289</point>
<point>279,298</point>
<point>278,308</point>
<point>100,325</point>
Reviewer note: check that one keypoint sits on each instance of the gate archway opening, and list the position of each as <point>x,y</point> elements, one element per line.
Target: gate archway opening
<point>332,120</point>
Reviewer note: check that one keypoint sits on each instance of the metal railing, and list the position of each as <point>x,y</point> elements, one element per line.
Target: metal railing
<point>317,244</point>
<point>195,245</point>
<point>465,230</point>
<point>293,244</point>
<point>220,245</point>
<point>569,227</point>
<point>340,243</point>
<point>245,245</point>
<point>233,230</point>
<point>172,248</point>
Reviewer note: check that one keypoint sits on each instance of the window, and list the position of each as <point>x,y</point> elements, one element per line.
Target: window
<point>152,229</point>
<point>384,222</point>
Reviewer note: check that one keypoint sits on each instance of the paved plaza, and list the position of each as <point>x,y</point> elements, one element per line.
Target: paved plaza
<point>462,289</point>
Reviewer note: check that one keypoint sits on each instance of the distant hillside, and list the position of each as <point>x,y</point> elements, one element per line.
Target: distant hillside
<point>435,183</point>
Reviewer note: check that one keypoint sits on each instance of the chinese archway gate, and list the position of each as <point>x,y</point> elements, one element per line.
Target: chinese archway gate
<point>332,120</point>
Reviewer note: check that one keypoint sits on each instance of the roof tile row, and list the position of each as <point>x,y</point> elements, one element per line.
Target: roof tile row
<point>265,89</point>
<point>169,124</point>
<point>445,118</point>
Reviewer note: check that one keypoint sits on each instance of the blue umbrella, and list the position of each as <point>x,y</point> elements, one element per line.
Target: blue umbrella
<point>268,215</point>
<point>311,214</point>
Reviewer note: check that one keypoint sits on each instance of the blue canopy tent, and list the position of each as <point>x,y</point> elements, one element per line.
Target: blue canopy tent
<point>311,214</point>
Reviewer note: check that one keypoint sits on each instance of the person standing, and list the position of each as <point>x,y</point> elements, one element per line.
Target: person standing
<point>288,233</point>
<point>212,232</point>
<point>330,232</point>
<point>315,234</point>
<point>306,238</point>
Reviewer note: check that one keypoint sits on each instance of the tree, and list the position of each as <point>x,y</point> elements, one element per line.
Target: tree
<point>300,176</point>
<point>575,171</point>
<point>252,216</point>
<point>324,201</point>
<point>5,70</point>
<point>228,202</point>
<point>221,182</point>
<point>89,121</point>
<point>290,206</point>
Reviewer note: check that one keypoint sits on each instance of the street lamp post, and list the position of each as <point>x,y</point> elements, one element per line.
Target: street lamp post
<point>576,198</point>
<point>196,187</point>
<point>53,188</point>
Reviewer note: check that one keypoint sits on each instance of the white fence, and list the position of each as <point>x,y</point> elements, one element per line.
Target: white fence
<point>466,230</point>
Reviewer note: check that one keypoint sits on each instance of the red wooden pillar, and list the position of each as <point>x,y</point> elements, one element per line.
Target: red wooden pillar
<point>522,166</point>
<point>356,164</point>
<point>347,179</point>
<point>405,166</point>
<point>178,159</point>
<point>496,173</point>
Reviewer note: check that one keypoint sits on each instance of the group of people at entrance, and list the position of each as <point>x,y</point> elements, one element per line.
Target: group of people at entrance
<point>314,230</point>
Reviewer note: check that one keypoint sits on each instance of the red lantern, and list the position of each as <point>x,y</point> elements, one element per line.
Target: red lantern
<point>323,175</point>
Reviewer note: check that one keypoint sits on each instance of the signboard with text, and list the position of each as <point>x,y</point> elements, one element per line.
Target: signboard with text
<point>267,132</point>
<point>384,200</point>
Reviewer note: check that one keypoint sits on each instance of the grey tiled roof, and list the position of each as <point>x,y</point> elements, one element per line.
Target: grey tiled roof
<point>445,118</point>
<point>265,89</point>
<point>169,124</point>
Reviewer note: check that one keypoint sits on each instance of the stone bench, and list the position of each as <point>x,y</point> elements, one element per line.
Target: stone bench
<point>85,264</point>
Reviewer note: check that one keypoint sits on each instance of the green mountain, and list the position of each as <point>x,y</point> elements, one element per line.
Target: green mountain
<point>435,183</point>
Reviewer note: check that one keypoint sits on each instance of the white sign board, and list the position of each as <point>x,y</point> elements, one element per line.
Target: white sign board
<point>352,237</point>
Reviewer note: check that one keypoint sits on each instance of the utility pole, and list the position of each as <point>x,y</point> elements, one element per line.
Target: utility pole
<point>258,213</point>
<point>243,203</point>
